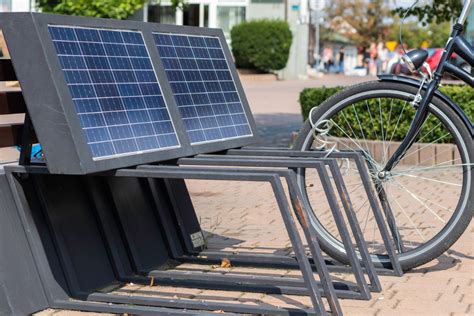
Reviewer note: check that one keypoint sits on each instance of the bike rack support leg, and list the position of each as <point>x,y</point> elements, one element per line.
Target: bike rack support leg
<point>392,224</point>
<point>250,175</point>
<point>246,161</point>
<point>363,171</point>
<point>358,235</point>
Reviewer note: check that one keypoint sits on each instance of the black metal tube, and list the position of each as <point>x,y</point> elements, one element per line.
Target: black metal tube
<point>460,74</point>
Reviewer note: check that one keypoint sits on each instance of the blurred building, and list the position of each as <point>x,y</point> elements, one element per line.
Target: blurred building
<point>225,14</point>
<point>16,5</point>
<point>470,27</point>
<point>12,6</point>
<point>222,14</point>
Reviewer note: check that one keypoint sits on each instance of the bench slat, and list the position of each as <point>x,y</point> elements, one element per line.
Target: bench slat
<point>7,73</point>
<point>11,136</point>
<point>12,102</point>
<point>12,119</point>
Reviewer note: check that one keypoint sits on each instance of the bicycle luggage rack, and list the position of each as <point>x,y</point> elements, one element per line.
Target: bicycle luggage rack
<point>77,231</point>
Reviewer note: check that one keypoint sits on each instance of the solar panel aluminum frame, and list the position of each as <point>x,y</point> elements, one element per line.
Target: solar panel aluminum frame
<point>50,104</point>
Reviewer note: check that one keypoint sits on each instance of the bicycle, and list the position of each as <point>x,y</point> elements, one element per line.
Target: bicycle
<point>427,201</point>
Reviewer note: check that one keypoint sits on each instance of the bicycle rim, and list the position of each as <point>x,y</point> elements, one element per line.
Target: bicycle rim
<point>407,217</point>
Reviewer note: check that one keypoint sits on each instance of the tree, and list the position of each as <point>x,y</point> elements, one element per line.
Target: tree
<point>438,12</point>
<point>368,18</point>
<point>114,9</point>
<point>414,34</point>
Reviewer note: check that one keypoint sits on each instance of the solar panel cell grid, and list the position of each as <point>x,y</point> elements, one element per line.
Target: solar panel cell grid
<point>203,87</point>
<point>115,90</point>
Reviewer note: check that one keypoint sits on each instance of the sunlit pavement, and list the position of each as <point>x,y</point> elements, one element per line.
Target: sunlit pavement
<point>238,219</point>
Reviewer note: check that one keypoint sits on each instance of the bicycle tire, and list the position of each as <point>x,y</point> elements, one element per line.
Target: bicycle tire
<point>462,215</point>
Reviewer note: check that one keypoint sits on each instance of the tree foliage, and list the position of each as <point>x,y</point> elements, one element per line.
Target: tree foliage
<point>414,34</point>
<point>438,11</point>
<point>368,18</point>
<point>114,9</point>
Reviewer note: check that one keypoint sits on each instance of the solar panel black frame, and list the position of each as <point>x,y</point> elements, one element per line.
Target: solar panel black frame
<point>50,104</point>
<point>115,90</point>
<point>229,143</point>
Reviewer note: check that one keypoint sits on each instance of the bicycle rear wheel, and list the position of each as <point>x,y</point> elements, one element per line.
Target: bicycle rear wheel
<point>429,192</point>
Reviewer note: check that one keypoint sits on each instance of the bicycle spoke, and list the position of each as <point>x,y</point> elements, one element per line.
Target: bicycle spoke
<point>372,121</point>
<point>426,134</point>
<point>352,131</point>
<point>399,174</point>
<point>366,215</point>
<point>416,198</point>
<point>364,151</point>
<point>410,220</point>
<point>385,154</point>
<point>382,131</point>
<point>436,167</point>
<point>430,158</point>
<point>396,235</point>
<point>398,121</point>
<point>427,145</point>
<point>360,127</point>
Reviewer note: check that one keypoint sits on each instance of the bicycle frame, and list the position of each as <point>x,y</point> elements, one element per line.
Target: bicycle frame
<point>456,44</point>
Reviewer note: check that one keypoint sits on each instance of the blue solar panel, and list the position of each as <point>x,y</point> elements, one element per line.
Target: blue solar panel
<point>203,87</point>
<point>115,90</point>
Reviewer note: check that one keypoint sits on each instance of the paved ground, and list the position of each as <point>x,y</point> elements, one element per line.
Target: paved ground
<point>238,219</point>
<point>442,287</point>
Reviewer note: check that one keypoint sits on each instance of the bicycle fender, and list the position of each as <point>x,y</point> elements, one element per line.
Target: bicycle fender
<point>416,83</point>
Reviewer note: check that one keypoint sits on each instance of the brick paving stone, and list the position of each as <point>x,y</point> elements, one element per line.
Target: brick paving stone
<point>412,155</point>
<point>445,153</point>
<point>427,155</point>
<point>428,290</point>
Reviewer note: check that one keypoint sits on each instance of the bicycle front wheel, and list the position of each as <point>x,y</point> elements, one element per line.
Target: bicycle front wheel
<point>429,192</point>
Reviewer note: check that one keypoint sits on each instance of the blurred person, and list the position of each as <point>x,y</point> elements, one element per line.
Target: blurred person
<point>327,58</point>
<point>373,59</point>
<point>366,59</point>
<point>382,56</point>
<point>341,60</point>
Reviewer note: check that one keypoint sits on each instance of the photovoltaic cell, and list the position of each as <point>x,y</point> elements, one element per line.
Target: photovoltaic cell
<point>203,87</point>
<point>114,89</point>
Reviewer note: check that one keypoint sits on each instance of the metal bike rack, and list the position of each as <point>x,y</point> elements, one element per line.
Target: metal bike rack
<point>363,168</point>
<point>307,285</point>
<point>319,165</point>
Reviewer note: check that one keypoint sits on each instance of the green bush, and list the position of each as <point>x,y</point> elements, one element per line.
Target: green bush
<point>311,97</point>
<point>263,45</point>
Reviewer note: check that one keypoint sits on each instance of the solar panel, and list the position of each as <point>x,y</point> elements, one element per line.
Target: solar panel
<point>115,90</point>
<point>203,87</point>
